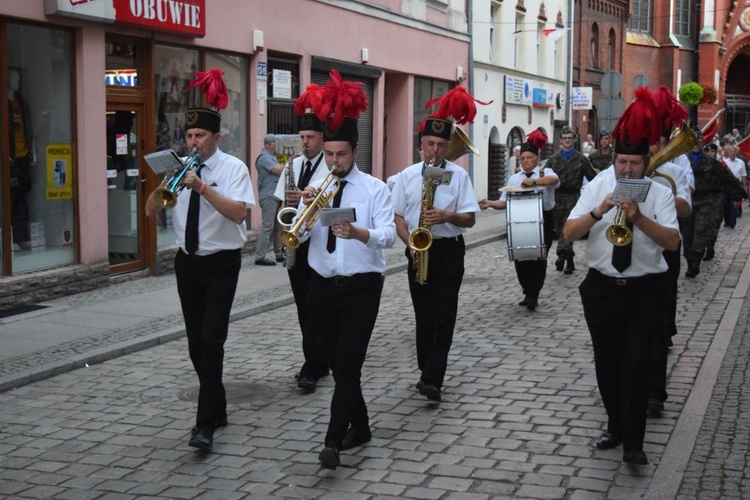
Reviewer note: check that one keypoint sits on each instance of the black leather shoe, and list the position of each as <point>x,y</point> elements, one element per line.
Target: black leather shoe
<point>221,423</point>
<point>203,440</point>
<point>709,254</point>
<point>430,391</point>
<point>559,264</point>
<point>264,262</point>
<point>608,441</point>
<point>356,436</point>
<point>524,301</point>
<point>634,457</point>
<point>329,457</point>
<point>307,384</point>
<point>531,304</point>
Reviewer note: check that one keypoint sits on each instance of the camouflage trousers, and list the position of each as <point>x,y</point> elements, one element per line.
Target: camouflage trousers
<point>702,226</point>
<point>563,205</point>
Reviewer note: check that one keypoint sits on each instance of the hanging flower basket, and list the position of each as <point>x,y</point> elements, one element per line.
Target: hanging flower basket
<point>710,95</point>
<point>690,94</point>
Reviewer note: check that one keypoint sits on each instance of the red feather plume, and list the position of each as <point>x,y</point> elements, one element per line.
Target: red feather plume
<point>537,138</point>
<point>457,103</point>
<point>212,86</point>
<point>311,98</point>
<point>340,100</point>
<point>670,109</point>
<point>641,121</point>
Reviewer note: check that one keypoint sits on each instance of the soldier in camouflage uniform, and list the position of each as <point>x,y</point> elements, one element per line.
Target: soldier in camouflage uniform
<point>571,167</point>
<point>605,155</point>
<point>703,223</point>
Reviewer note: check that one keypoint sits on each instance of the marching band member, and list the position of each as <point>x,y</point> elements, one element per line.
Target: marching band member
<point>348,263</point>
<point>623,292</point>
<point>452,210</point>
<point>209,223</point>
<point>306,169</point>
<point>532,273</point>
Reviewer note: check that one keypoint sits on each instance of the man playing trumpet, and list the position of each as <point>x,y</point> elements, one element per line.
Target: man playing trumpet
<point>623,292</point>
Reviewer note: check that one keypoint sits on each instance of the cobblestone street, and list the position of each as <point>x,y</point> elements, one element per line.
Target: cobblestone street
<point>519,415</point>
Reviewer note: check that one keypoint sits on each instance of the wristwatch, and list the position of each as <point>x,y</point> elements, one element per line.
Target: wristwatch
<point>594,216</point>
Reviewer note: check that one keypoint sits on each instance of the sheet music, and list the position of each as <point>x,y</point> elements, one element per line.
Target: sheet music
<point>437,176</point>
<point>631,189</point>
<point>328,215</point>
<point>163,161</point>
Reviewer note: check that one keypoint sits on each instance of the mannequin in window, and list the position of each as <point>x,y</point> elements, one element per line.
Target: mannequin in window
<point>20,153</point>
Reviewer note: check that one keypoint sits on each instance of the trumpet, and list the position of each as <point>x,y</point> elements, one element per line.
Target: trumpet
<point>619,234</point>
<point>167,196</point>
<point>311,213</point>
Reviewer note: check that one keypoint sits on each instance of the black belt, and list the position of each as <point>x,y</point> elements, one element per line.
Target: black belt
<point>349,280</point>
<point>221,254</point>
<point>634,281</point>
<point>448,239</point>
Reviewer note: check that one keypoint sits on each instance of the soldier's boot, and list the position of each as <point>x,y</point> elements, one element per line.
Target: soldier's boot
<point>570,266</point>
<point>694,268</point>
<point>709,254</point>
<point>560,262</point>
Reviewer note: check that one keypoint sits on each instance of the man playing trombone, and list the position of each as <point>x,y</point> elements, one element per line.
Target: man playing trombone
<point>623,292</point>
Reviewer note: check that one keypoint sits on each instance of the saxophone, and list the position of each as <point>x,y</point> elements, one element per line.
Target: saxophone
<point>286,215</point>
<point>420,240</point>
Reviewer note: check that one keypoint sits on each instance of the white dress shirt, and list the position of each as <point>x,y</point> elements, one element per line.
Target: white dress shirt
<point>646,254</point>
<point>231,178</point>
<point>371,200</point>
<point>298,164</point>
<point>458,196</point>
<point>548,192</point>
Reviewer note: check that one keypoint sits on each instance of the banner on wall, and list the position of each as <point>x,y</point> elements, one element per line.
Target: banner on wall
<point>59,171</point>
<point>184,17</point>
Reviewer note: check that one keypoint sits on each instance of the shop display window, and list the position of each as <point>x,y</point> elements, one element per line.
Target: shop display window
<point>175,69</point>
<point>41,159</point>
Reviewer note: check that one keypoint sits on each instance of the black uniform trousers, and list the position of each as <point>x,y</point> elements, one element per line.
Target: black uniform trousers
<point>623,316</point>
<point>532,273</point>
<point>206,286</point>
<point>663,340</point>
<point>436,305</point>
<point>315,365</point>
<point>343,311</point>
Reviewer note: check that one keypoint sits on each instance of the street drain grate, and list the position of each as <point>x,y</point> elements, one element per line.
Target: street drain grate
<point>236,392</point>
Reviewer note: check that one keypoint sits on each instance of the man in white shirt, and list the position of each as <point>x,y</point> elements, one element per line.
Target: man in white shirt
<point>738,168</point>
<point>532,273</point>
<point>623,292</point>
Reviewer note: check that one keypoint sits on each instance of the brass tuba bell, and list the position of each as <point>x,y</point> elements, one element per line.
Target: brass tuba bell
<point>459,145</point>
<point>682,141</point>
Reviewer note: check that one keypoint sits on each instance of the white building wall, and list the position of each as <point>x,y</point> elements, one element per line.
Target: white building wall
<point>493,64</point>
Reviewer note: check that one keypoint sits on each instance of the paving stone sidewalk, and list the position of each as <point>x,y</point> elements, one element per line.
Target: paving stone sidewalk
<point>519,415</point>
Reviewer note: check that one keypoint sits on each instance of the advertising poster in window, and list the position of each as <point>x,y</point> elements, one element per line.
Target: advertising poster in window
<point>59,171</point>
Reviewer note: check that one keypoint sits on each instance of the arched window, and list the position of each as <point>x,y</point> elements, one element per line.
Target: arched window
<point>594,56</point>
<point>611,50</point>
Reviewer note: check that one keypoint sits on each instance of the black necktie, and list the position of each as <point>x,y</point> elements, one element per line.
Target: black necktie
<point>621,255</point>
<point>304,180</point>
<point>528,174</point>
<point>331,245</point>
<point>191,225</point>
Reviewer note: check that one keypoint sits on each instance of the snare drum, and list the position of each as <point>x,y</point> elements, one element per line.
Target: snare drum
<point>525,226</point>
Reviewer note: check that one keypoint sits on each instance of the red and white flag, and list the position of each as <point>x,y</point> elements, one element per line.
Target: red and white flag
<point>710,128</point>
<point>554,33</point>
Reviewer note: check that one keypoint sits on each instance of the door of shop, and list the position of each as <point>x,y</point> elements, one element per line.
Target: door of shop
<point>126,184</point>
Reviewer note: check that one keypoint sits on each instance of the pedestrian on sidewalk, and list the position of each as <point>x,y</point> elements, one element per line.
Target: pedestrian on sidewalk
<point>209,224</point>
<point>450,213</point>
<point>348,261</point>
<point>306,169</point>
<point>269,173</point>
<point>623,292</point>
<point>532,273</point>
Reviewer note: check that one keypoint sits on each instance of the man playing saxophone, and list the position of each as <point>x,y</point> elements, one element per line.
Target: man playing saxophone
<point>306,169</point>
<point>451,211</point>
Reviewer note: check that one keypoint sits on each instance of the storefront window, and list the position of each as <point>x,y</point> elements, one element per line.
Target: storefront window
<point>41,158</point>
<point>175,69</point>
